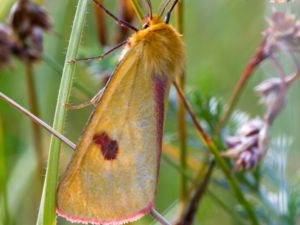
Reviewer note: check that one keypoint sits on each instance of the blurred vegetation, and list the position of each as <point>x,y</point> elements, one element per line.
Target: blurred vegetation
<point>221,37</point>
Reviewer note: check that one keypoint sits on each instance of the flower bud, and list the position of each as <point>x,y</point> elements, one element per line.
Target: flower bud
<point>246,147</point>
<point>283,33</point>
<point>7,43</point>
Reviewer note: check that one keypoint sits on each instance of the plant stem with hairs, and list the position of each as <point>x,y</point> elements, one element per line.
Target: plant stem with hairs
<point>47,213</point>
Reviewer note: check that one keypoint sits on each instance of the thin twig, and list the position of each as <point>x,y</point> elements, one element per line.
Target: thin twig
<point>159,217</point>
<point>37,120</point>
<point>198,126</point>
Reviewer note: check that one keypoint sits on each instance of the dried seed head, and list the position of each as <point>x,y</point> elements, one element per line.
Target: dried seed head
<point>250,143</point>
<point>273,84</point>
<point>25,15</point>
<point>283,33</point>
<point>282,24</point>
<point>7,44</point>
<point>246,146</point>
<point>248,159</point>
<point>273,94</point>
<point>28,21</point>
<point>270,90</point>
<point>251,128</point>
<point>36,43</point>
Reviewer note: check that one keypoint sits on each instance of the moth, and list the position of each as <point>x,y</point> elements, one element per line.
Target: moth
<point>112,177</point>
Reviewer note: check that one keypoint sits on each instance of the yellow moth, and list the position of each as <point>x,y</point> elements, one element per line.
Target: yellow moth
<point>112,177</point>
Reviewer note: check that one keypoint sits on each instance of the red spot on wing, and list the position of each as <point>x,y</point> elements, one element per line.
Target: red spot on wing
<point>109,148</point>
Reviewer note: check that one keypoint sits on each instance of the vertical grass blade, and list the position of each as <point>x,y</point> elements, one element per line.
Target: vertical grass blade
<point>47,214</point>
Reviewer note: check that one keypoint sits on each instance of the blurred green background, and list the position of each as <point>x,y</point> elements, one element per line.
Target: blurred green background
<point>220,36</point>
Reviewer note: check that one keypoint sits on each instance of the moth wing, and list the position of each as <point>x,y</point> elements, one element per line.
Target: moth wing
<point>112,176</point>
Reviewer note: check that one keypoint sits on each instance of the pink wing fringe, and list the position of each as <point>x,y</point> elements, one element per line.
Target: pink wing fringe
<point>124,220</point>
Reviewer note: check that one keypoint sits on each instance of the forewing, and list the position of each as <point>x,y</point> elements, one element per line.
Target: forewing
<point>113,175</point>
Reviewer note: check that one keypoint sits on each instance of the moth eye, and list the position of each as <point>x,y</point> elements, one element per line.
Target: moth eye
<point>146,25</point>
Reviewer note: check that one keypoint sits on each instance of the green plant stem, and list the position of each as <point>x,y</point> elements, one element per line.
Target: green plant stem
<point>3,179</point>
<point>47,214</point>
<point>219,159</point>
<point>37,131</point>
<point>138,9</point>
<point>181,119</point>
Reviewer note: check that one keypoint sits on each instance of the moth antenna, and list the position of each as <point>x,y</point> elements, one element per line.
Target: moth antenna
<point>102,56</point>
<point>167,19</point>
<point>118,21</point>
<point>163,8</point>
<point>150,8</point>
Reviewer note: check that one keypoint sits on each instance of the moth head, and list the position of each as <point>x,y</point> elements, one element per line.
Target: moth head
<point>153,20</point>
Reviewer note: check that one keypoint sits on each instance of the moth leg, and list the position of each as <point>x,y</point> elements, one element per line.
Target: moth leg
<point>97,97</point>
<point>92,102</point>
<point>99,57</point>
<point>79,106</point>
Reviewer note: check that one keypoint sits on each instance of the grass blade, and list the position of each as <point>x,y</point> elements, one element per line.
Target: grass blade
<point>47,214</point>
